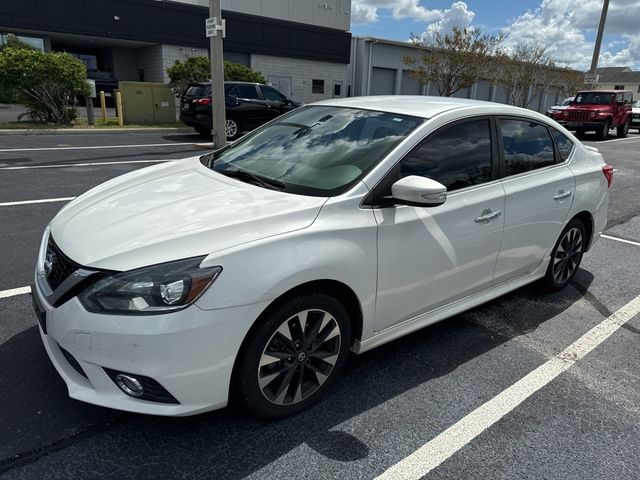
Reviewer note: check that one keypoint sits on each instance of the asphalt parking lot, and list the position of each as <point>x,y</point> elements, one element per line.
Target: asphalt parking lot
<point>512,389</point>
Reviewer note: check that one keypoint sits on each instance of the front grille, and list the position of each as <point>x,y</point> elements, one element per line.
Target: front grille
<point>73,362</point>
<point>153,391</point>
<point>61,266</point>
<point>579,116</point>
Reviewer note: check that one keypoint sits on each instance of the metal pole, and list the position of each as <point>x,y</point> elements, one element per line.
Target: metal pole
<point>596,48</point>
<point>217,79</point>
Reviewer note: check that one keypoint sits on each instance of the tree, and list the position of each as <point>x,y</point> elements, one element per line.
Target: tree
<point>198,69</point>
<point>193,69</point>
<point>454,61</point>
<point>48,84</point>
<point>526,73</point>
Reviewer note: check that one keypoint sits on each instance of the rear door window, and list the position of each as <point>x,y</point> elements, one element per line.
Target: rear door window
<point>247,91</point>
<point>527,146</point>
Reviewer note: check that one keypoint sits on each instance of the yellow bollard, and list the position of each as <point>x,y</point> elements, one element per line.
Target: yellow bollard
<point>119,109</point>
<point>103,106</point>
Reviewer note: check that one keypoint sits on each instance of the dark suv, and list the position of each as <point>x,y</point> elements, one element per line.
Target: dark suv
<point>599,110</point>
<point>247,106</point>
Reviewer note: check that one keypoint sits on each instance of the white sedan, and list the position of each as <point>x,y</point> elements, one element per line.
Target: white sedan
<point>338,227</point>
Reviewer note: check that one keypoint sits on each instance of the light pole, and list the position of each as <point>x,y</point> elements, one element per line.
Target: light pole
<point>217,74</point>
<point>596,48</point>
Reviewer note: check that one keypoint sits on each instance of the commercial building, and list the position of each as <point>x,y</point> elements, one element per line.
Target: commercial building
<point>619,78</point>
<point>301,46</point>
<point>378,68</point>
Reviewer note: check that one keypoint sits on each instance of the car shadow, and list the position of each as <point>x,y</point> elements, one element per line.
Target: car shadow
<point>230,443</point>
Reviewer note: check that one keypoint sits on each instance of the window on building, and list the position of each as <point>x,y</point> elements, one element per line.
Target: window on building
<point>619,87</point>
<point>457,157</point>
<point>317,86</point>
<point>527,146</point>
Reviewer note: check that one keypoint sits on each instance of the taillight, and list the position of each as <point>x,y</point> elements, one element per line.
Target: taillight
<point>202,101</point>
<point>608,172</point>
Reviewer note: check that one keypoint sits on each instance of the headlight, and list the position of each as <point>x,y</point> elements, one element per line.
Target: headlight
<point>150,290</point>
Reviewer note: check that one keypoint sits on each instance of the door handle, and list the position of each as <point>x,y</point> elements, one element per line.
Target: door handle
<point>562,194</point>
<point>487,216</point>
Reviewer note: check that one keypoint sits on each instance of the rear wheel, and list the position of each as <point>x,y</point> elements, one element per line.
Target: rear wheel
<point>603,133</point>
<point>566,255</point>
<point>623,129</point>
<point>293,356</point>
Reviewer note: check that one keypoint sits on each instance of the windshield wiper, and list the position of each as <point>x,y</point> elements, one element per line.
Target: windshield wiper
<point>246,175</point>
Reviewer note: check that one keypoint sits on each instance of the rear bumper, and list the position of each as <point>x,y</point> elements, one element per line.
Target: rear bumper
<point>196,121</point>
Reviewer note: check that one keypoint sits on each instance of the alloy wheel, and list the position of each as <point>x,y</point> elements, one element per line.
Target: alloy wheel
<point>567,257</point>
<point>231,128</point>
<point>299,357</point>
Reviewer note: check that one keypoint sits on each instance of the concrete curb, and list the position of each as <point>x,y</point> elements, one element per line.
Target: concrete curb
<point>84,131</point>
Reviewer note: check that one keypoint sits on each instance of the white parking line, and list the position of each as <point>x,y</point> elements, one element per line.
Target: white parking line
<point>14,291</point>
<point>623,240</point>
<point>29,202</point>
<point>617,140</point>
<point>89,164</point>
<point>94,147</point>
<point>440,448</point>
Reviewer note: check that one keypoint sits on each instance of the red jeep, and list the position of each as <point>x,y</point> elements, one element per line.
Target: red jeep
<point>599,110</point>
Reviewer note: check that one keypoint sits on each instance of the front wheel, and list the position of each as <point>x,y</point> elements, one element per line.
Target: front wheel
<point>623,129</point>
<point>232,128</point>
<point>566,255</point>
<point>603,133</point>
<point>293,356</point>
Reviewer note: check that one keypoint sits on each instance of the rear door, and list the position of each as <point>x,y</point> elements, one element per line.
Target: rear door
<point>246,107</point>
<point>539,189</point>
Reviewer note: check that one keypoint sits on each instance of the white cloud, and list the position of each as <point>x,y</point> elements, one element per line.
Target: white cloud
<point>366,11</point>
<point>568,27</point>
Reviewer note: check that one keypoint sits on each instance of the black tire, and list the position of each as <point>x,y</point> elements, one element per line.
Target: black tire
<point>603,133</point>
<point>232,128</point>
<point>566,255</point>
<point>291,381</point>
<point>203,132</point>
<point>580,133</point>
<point>623,129</point>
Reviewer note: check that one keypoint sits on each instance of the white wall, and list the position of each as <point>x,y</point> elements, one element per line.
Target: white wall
<point>302,72</point>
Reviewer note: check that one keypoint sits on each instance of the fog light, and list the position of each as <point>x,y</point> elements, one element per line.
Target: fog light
<point>129,385</point>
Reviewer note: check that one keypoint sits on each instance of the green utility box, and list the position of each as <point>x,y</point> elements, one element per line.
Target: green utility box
<point>147,103</point>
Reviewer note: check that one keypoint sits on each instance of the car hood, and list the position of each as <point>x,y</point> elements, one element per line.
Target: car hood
<point>172,211</point>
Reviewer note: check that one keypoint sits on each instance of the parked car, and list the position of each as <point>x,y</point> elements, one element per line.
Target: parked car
<point>247,106</point>
<point>635,114</point>
<point>338,227</point>
<point>555,111</point>
<point>600,111</point>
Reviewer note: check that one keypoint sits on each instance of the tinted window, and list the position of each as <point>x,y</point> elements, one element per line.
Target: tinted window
<point>457,157</point>
<point>195,91</point>
<point>245,91</point>
<point>563,143</point>
<point>317,86</point>
<point>527,146</point>
<point>272,95</point>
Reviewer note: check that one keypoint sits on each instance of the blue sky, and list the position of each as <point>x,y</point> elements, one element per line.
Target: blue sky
<point>566,27</point>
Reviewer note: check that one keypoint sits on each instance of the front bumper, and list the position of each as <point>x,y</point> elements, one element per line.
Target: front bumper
<point>595,125</point>
<point>190,353</point>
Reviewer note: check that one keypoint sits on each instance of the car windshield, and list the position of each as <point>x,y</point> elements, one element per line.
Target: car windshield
<point>315,150</point>
<point>594,98</point>
<point>195,91</point>
<point>567,102</point>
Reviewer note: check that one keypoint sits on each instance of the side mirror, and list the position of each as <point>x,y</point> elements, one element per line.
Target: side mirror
<point>419,191</point>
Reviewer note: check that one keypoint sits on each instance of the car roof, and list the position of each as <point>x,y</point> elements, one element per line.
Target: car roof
<point>419,105</point>
<point>605,91</point>
<point>207,83</point>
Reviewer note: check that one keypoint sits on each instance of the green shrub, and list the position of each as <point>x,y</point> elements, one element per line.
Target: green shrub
<point>47,84</point>
<point>198,69</point>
